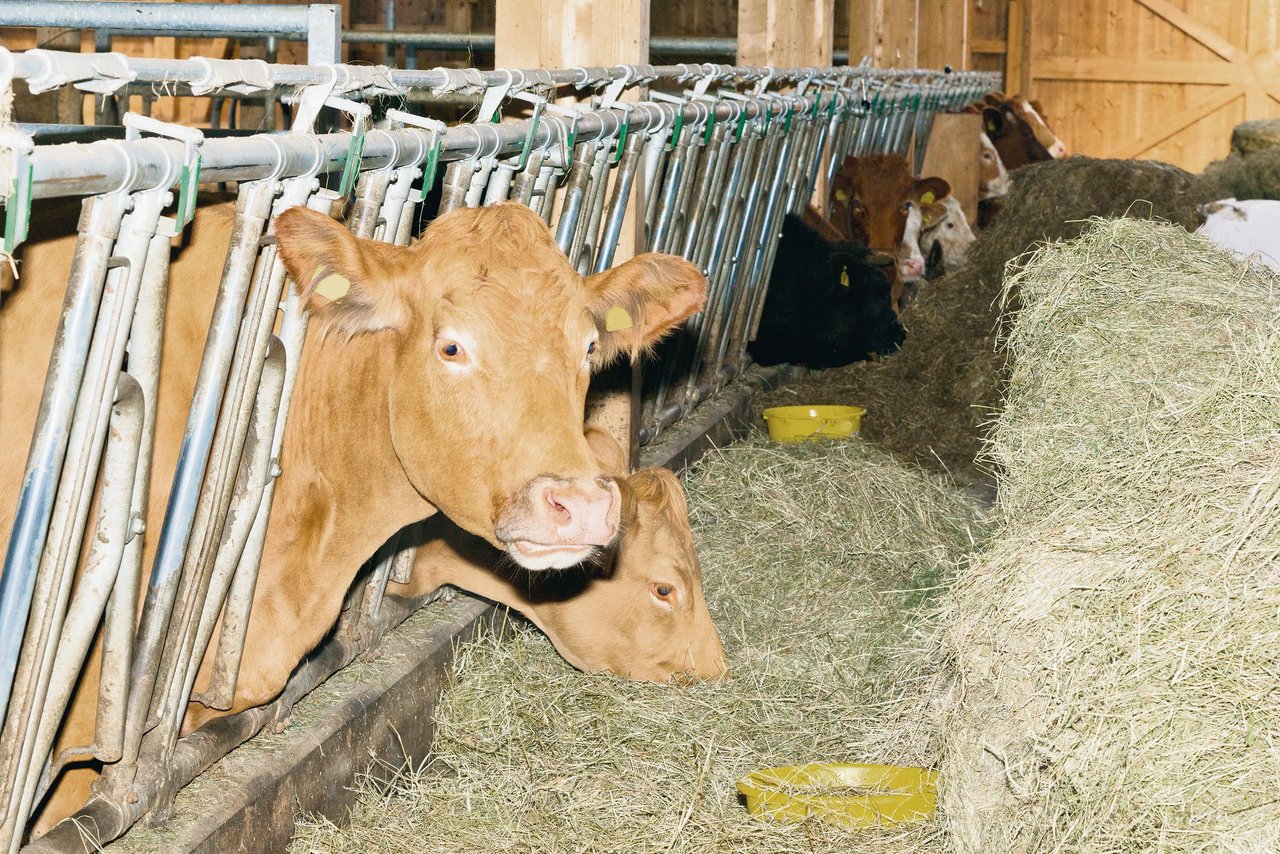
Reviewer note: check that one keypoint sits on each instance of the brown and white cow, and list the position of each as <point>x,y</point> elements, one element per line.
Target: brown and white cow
<point>450,378</point>
<point>637,613</point>
<point>871,201</point>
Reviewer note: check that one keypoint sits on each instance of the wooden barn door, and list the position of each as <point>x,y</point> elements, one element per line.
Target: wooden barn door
<point>1158,79</point>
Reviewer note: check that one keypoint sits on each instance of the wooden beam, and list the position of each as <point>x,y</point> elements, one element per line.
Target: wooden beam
<point>785,32</point>
<point>1194,29</point>
<point>1017,65</point>
<point>566,33</point>
<point>1179,121</point>
<point>1047,67</point>
<point>988,45</point>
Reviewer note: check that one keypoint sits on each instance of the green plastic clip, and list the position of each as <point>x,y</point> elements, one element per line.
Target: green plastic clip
<point>623,130</point>
<point>188,189</point>
<point>538,106</point>
<point>355,154</point>
<point>17,204</point>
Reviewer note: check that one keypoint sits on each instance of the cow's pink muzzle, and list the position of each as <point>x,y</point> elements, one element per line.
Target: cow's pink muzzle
<point>558,523</point>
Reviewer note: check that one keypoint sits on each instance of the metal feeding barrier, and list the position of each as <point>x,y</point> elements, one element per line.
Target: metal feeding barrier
<point>710,171</point>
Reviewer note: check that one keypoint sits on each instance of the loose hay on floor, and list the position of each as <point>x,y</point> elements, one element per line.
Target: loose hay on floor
<point>1117,646</point>
<point>929,400</point>
<point>813,558</point>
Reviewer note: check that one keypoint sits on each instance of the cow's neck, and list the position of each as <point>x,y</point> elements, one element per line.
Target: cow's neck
<point>343,492</point>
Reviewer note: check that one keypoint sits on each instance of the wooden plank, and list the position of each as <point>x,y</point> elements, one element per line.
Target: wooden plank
<point>1180,121</point>
<point>1017,73</point>
<point>1047,67</point>
<point>785,32</point>
<point>988,45</point>
<point>942,33</point>
<point>1193,28</point>
<point>953,154</point>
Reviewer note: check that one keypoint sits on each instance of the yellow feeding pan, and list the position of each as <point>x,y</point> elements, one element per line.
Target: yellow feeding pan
<point>798,423</point>
<point>848,795</point>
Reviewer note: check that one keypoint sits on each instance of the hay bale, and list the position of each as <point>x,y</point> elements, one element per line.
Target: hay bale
<point>812,556</point>
<point>1117,644</point>
<point>929,400</point>
<point>1252,176</point>
<point>1256,135</point>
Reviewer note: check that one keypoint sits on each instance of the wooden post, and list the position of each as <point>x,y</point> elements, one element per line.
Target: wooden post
<point>785,32</point>
<point>565,34</point>
<point>942,34</point>
<point>885,30</point>
<point>1017,73</point>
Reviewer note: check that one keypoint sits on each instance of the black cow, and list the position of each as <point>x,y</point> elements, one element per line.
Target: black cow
<point>827,305</point>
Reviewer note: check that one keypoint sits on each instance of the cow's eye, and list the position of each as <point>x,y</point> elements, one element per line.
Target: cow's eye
<point>662,591</point>
<point>451,350</point>
<point>591,348</point>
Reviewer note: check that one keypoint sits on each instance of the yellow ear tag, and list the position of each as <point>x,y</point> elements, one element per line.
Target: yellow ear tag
<point>927,199</point>
<point>333,287</point>
<point>844,277</point>
<point>842,196</point>
<point>616,319</point>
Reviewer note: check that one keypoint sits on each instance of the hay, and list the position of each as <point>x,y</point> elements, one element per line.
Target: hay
<point>929,400</point>
<point>1117,647</point>
<point>812,555</point>
<point>1252,176</point>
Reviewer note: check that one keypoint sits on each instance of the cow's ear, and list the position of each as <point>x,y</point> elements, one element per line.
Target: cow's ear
<point>349,281</point>
<point>635,304</point>
<point>931,212</point>
<point>930,191</point>
<point>993,122</point>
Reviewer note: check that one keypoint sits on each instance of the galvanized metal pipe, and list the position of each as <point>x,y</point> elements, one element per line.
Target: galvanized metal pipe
<point>252,209</point>
<point>99,225</point>
<point>623,180</point>
<point>78,627</point>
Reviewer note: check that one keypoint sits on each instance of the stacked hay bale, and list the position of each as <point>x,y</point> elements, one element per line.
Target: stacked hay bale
<point>814,558</point>
<point>929,400</point>
<point>1117,646</point>
<point>1253,175</point>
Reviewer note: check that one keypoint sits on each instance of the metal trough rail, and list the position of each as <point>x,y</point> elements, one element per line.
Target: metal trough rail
<point>712,173</point>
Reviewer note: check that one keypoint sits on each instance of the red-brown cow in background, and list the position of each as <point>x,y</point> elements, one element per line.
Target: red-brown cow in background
<point>871,200</point>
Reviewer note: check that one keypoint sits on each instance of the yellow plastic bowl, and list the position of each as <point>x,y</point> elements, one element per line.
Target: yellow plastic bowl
<point>889,794</point>
<point>797,423</point>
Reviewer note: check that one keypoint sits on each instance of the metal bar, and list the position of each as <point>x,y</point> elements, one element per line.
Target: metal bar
<point>99,226</point>
<point>574,193</point>
<point>162,588</point>
<point>78,627</point>
<point>624,178</point>
<point>259,19</point>
<point>293,332</point>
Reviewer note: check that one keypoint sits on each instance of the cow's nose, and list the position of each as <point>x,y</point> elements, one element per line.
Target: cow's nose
<point>1059,150</point>
<point>583,511</point>
<point>913,268</point>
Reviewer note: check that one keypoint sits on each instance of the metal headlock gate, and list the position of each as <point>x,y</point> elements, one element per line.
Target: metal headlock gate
<point>714,171</point>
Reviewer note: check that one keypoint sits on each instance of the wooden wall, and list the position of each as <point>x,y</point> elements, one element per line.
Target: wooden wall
<point>1159,79</point>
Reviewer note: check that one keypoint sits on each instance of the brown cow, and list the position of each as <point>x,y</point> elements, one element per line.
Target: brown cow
<point>871,200</point>
<point>639,613</point>
<point>452,377</point>
<point>1018,130</point>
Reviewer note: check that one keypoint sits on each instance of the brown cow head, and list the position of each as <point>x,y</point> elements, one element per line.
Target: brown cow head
<point>490,338</point>
<point>1033,114</point>
<point>1012,136</point>
<point>645,617</point>
<point>640,615</point>
<point>993,177</point>
<point>871,199</point>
